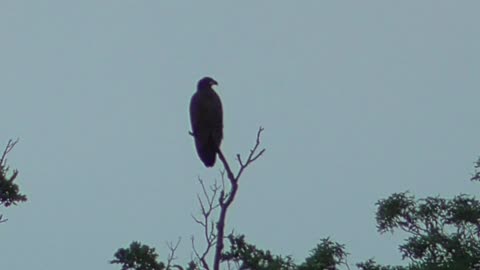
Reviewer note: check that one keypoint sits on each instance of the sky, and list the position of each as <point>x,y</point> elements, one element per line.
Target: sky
<point>359,100</point>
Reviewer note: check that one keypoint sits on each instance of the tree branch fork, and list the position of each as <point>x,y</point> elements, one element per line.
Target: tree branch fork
<point>218,196</point>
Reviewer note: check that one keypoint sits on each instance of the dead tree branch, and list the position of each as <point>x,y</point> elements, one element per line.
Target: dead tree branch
<point>171,256</point>
<point>3,160</point>
<point>208,204</point>
<point>200,258</point>
<point>226,199</point>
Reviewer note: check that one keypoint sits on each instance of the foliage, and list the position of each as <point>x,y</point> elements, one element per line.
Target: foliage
<point>372,265</point>
<point>443,234</point>
<point>138,257</point>
<point>476,175</point>
<point>249,256</point>
<point>326,255</point>
<point>9,191</point>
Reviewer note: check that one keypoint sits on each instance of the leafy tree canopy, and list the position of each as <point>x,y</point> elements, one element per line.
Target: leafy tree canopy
<point>9,190</point>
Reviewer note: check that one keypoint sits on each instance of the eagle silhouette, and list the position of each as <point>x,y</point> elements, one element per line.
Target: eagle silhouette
<point>206,116</point>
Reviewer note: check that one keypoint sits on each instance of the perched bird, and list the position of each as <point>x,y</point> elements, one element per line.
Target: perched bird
<point>206,116</point>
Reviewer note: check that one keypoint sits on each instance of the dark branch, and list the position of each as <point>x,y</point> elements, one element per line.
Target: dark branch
<point>11,143</point>
<point>200,258</point>
<point>171,255</point>
<point>207,207</point>
<point>225,200</point>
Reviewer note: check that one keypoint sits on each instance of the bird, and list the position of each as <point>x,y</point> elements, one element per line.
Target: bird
<point>206,117</point>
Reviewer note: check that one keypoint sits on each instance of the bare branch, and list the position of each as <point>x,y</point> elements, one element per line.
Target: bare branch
<point>205,193</point>
<point>239,158</point>
<point>253,154</point>
<point>225,164</point>
<point>200,258</point>
<point>207,200</point>
<point>220,197</point>
<point>226,200</point>
<point>198,221</point>
<point>11,143</point>
<point>171,256</point>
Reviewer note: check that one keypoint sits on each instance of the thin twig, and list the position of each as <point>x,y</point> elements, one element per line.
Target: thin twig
<point>173,248</point>
<point>200,258</point>
<point>207,206</point>
<point>11,143</point>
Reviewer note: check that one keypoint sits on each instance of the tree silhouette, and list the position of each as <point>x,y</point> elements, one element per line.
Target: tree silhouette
<point>214,197</point>
<point>9,190</point>
<point>442,234</point>
<point>476,175</point>
<point>139,257</point>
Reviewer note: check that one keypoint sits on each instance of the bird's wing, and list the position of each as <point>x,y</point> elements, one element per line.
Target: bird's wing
<point>195,112</point>
<point>216,119</point>
<point>217,110</point>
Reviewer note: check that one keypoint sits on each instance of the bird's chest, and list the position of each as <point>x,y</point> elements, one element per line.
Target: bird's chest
<point>210,104</point>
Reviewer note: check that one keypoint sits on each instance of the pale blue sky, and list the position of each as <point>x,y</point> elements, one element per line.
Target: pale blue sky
<point>359,99</point>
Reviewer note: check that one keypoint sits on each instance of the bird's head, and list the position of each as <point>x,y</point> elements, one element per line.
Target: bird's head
<point>206,83</point>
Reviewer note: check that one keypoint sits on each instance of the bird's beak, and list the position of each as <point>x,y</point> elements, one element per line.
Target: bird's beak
<point>214,83</point>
